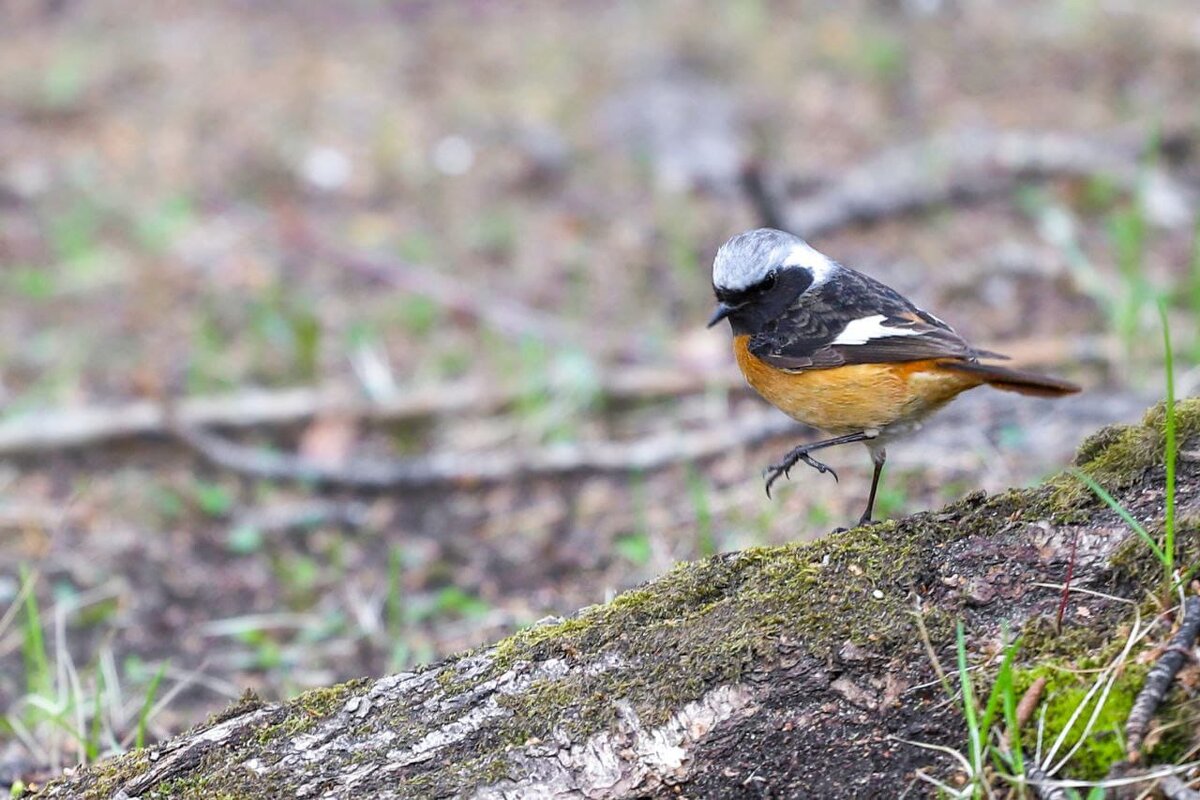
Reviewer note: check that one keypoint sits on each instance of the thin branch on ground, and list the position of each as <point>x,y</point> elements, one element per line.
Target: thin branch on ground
<point>285,517</point>
<point>1173,788</point>
<point>954,169</point>
<point>54,430</point>
<point>1160,678</point>
<point>473,469</point>
<point>1041,784</point>
<point>930,652</point>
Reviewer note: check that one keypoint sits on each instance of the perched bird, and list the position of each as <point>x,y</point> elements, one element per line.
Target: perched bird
<point>840,351</point>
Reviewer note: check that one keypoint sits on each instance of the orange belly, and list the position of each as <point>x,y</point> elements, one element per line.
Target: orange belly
<point>855,397</point>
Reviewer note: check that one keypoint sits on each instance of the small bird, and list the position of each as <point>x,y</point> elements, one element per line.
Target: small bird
<point>840,351</point>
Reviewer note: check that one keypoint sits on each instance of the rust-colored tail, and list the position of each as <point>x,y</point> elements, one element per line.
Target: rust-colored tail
<point>1013,380</point>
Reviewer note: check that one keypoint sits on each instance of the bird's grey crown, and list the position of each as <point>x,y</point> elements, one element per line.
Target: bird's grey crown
<point>746,258</point>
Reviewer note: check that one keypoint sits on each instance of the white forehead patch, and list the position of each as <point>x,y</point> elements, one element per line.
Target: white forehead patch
<point>864,329</point>
<point>746,259</point>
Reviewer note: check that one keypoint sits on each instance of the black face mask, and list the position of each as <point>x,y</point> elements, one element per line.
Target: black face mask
<point>750,309</point>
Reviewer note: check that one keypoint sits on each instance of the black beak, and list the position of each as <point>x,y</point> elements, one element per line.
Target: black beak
<point>722,311</point>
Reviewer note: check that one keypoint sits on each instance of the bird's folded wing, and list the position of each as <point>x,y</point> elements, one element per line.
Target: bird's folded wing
<point>871,339</point>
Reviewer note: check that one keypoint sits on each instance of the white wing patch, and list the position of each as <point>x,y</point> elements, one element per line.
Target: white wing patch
<point>863,330</point>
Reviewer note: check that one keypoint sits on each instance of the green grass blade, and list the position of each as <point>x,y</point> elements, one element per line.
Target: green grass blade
<point>1193,294</point>
<point>1103,494</point>
<point>698,491</point>
<point>91,746</point>
<point>995,697</point>
<point>970,707</point>
<point>394,603</point>
<point>144,714</point>
<point>1169,521</point>
<point>38,680</point>
<point>1016,756</point>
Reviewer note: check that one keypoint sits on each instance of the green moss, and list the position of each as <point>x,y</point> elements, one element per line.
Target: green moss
<point>108,776</point>
<point>326,700</point>
<point>249,701</point>
<point>1066,688</point>
<point>305,710</point>
<point>214,778</point>
<point>1116,456</point>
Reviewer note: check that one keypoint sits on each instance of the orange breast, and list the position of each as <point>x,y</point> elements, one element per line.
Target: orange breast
<point>854,397</point>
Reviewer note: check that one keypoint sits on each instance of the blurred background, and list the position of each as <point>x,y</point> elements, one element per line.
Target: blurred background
<point>346,234</point>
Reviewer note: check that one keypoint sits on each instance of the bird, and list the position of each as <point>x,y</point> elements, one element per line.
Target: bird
<point>839,351</point>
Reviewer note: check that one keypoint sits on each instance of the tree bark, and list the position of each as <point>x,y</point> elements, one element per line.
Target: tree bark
<point>795,671</point>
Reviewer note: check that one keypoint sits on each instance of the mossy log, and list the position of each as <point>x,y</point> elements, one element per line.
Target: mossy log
<point>788,671</point>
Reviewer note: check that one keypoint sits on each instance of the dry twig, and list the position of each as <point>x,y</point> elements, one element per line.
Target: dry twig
<point>1041,784</point>
<point>306,514</point>
<point>1173,788</point>
<point>54,430</point>
<point>957,167</point>
<point>471,469</point>
<point>1160,678</point>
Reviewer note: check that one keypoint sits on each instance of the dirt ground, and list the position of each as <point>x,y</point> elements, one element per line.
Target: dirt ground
<point>180,183</point>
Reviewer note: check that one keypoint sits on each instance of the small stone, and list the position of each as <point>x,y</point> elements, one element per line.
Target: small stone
<point>453,155</point>
<point>853,653</point>
<point>326,168</point>
<point>855,694</point>
<point>877,594</point>
<point>979,591</point>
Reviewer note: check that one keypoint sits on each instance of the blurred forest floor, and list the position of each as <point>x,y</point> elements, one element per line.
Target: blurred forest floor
<point>185,195</point>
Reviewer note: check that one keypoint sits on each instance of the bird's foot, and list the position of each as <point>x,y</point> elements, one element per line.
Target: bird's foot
<point>783,468</point>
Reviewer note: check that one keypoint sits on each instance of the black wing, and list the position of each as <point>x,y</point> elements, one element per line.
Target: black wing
<point>854,319</point>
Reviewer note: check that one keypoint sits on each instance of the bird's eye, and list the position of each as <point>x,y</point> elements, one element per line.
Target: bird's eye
<point>768,283</point>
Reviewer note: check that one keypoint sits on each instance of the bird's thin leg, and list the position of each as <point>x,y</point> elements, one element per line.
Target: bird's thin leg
<point>878,456</point>
<point>801,453</point>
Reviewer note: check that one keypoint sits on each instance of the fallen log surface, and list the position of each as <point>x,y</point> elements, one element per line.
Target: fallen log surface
<point>790,671</point>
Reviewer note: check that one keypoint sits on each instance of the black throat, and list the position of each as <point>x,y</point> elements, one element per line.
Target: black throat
<point>766,301</point>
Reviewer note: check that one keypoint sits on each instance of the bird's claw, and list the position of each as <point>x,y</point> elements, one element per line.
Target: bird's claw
<point>772,474</point>
<point>820,467</point>
<point>784,468</point>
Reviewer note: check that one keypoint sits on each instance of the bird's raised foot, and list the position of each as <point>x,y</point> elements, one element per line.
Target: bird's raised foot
<point>783,468</point>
